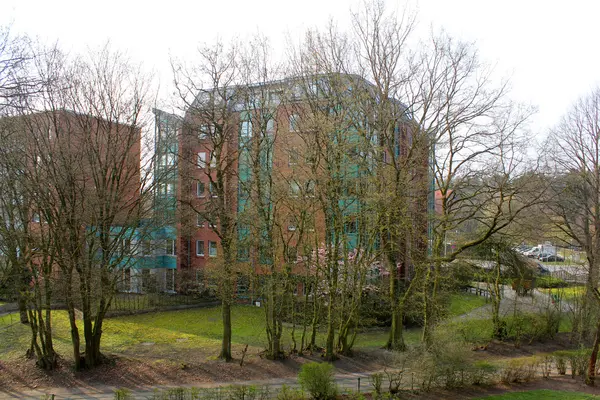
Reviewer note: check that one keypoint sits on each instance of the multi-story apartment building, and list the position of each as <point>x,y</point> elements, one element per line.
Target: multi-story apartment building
<point>296,167</point>
<point>88,167</point>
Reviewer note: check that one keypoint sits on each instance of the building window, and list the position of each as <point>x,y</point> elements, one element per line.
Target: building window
<point>170,188</point>
<point>170,247</point>
<point>350,226</point>
<point>275,96</point>
<point>294,121</point>
<point>199,189</point>
<point>146,247</point>
<point>35,218</point>
<point>170,159</point>
<point>293,156</point>
<point>202,160</point>
<point>199,221</point>
<point>313,87</point>
<point>294,189</point>
<point>200,248</point>
<point>213,160</point>
<point>310,188</point>
<point>291,224</point>
<point>206,130</point>
<point>270,127</point>
<point>212,249</point>
<point>246,129</point>
<point>212,189</point>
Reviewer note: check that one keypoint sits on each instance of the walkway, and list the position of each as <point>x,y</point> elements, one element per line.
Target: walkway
<point>537,302</point>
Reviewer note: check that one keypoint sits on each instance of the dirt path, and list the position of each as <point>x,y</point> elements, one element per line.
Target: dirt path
<point>345,381</point>
<point>538,302</point>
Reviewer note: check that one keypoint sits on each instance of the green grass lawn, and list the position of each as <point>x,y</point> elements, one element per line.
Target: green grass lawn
<point>462,303</point>
<point>164,334</point>
<point>542,394</point>
<point>169,333</point>
<point>569,293</point>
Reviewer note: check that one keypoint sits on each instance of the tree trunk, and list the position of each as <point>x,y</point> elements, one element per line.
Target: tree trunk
<point>226,342</point>
<point>591,375</point>
<point>22,302</point>
<point>329,344</point>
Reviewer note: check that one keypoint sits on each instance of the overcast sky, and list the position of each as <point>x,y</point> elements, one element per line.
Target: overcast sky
<point>548,48</point>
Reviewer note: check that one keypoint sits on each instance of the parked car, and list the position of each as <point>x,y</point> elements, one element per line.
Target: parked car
<point>533,253</point>
<point>552,258</point>
<point>522,248</point>
<point>543,255</point>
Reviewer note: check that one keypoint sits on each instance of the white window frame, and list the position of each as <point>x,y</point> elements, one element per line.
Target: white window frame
<point>198,253</point>
<point>293,123</point>
<point>246,129</point>
<point>170,159</point>
<point>270,127</point>
<point>205,131</point>
<point>170,189</point>
<point>201,159</point>
<point>294,189</point>
<point>212,246</point>
<point>199,193</point>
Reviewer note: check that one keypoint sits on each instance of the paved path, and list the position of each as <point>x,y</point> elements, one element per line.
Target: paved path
<point>344,381</point>
<point>536,303</point>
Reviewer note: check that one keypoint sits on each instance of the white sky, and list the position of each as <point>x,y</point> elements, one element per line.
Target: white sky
<point>549,48</point>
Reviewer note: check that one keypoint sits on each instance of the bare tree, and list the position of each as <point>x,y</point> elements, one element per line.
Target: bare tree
<point>85,131</point>
<point>575,199</point>
<point>211,98</point>
<point>384,58</point>
<point>476,133</point>
<point>17,83</point>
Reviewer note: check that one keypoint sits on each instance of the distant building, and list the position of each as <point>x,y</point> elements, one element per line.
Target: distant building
<point>184,152</point>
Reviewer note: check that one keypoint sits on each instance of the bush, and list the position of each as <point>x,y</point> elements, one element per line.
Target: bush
<point>560,358</point>
<point>578,360</point>
<point>549,282</point>
<point>483,373</point>
<point>521,370</point>
<point>377,381</point>
<point>546,365</point>
<point>288,393</point>
<point>179,394</point>
<point>122,394</point>
<point>317,379</point>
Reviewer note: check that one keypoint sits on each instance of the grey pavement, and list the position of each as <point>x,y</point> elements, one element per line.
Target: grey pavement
<point>345,382</point>
<point>535,303</point>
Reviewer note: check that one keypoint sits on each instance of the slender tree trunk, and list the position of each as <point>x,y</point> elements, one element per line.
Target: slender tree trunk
<point>329,343</point>
<point>226,342</point>
<point>75,339</point>
<point>22,303</point>
<point>591,375</point>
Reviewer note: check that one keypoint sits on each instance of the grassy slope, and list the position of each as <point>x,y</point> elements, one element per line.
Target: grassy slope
<point>163,333</point>
<point>543,394</point>
<point>462,303</point>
